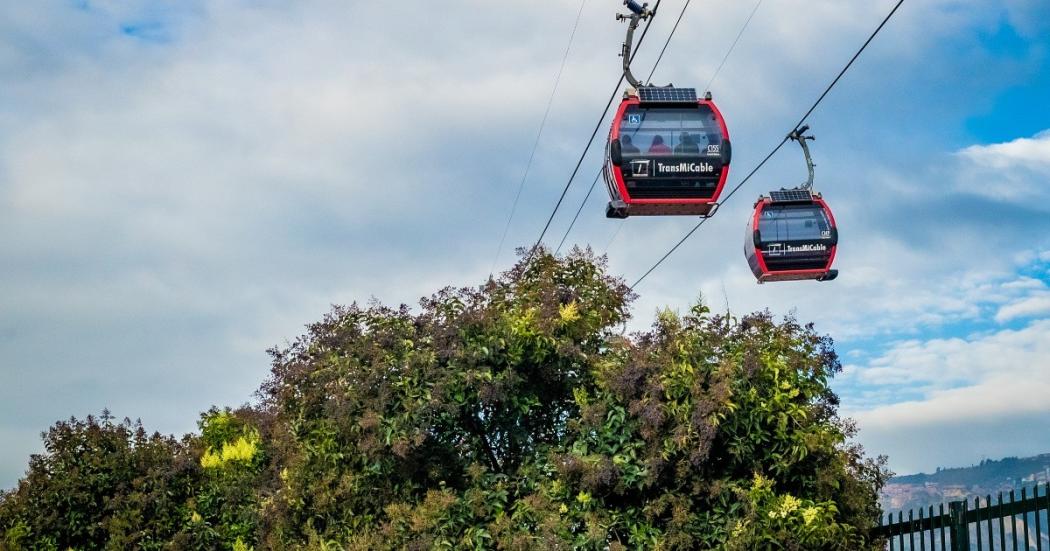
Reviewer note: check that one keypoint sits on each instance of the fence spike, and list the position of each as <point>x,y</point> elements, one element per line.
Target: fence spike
<point>1002,524</point>
<point>1038,522</point>
<point>942,527</point>
<point>1013,522</point>
<point>991,527</point>
<point>911,530</point>
<point>922,532</point>
<point>1024,516</point>
<point>977,518</point>
<point>1038,516</point>
<point>964,528</point>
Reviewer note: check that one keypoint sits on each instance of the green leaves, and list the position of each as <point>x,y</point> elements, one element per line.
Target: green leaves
<point>100,484</point>
<point>512,416</point>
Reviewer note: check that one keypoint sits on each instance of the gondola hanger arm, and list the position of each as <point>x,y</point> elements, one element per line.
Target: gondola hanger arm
<point>799,135</point>
<point>639,12</point>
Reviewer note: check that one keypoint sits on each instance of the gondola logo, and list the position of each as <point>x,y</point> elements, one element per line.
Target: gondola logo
<point>640,168</point>
<point>714,149</point>
<point>778,249</point>
<point>634,119</point>
<point>687,168</point>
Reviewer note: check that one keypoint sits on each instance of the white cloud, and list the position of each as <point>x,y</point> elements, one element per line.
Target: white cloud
<point>978,389</point>
<point>1031,152</point>
<point>998,396</point>
<point>947,363</point>
<point>1033,306</point>
<point>1027,16</point>
<point>1014,171</point>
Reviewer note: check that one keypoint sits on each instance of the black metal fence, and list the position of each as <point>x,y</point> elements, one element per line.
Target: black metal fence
<point>1013,522</point>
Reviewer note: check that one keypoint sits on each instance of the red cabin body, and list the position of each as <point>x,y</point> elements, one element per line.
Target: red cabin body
<point>792,236</point>
<point>668,154</point>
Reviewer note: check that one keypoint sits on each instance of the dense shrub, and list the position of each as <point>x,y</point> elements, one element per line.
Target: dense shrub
<point>516,416</point>
<point>100,484</point>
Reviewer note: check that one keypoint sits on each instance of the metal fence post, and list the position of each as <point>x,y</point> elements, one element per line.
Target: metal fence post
<point>960,532</point>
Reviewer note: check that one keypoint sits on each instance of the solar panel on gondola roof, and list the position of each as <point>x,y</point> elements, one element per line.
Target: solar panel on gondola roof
<point>791,196</point>
<point>667,95</point>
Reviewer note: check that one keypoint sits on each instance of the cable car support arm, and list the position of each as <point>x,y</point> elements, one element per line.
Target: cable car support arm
<point>799,136</point>
<point>639,12</point>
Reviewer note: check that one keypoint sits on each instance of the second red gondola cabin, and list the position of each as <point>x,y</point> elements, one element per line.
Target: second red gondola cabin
<point>791,236</point>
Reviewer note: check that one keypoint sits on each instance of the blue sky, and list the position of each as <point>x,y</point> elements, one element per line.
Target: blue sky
<point>184,185</point>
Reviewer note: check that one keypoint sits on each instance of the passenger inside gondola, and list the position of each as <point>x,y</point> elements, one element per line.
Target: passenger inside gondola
<point>627,146</point>
<point>686,145</point>
<point>659,147</point>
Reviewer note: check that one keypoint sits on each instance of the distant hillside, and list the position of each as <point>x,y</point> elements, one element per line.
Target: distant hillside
<point>987,478</point>
<point>988,473</point>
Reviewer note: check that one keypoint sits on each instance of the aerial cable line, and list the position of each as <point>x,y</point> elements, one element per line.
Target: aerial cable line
<point>649,80</point>
<point>614,236</point>
<point>597,127</point>
<point>578,211</point>
<point>826,91</point>
<point>702,220</point>
<point>539,133</point>
<point>733,46</point>
<point>663,50</point>
<point>780,145</point>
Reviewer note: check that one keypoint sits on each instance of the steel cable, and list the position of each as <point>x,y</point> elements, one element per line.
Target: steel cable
<point>578,211</point>
<point>539,133</point>
<point>659,58</point>
<point>733,46</point>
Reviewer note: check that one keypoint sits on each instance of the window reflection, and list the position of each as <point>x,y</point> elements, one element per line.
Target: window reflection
<point>793,223</point>
<point>658,131</point>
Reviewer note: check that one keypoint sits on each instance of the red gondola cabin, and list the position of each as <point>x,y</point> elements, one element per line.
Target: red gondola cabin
<point>792,236</point>
<point>668,154</point>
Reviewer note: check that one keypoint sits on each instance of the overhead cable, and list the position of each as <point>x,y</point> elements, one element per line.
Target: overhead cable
<point>578,211</point>
<point>539,133</point>
<point>733,46</point>
<point>660,57</point>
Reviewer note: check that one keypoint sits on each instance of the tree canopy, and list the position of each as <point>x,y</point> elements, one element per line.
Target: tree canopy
<point>514,415</point>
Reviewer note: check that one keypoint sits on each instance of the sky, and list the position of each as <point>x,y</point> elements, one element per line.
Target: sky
<point>184,185</point>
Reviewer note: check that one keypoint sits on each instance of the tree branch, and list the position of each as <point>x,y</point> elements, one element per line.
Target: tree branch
<point>475,429</point>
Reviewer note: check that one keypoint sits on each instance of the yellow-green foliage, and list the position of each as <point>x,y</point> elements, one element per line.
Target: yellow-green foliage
<point>241,450</point>
<point>228,439</point>
<point>777,518</point>
<point>569,312</point>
